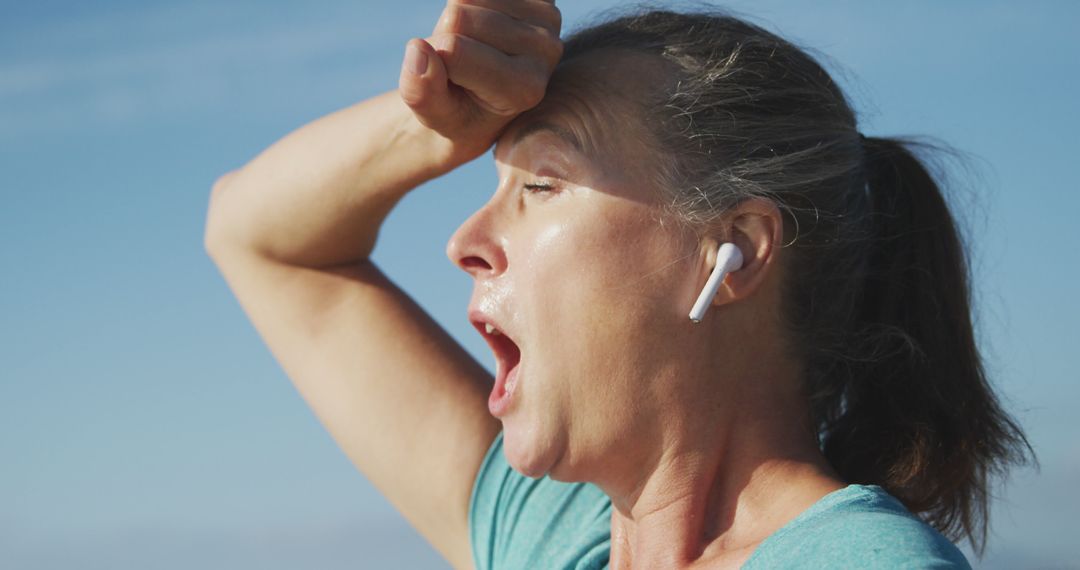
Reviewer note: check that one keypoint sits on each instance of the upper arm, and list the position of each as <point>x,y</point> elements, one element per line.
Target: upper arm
<point>403,400</point>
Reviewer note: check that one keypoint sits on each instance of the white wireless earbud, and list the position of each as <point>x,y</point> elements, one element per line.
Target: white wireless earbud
<point>728,259</point>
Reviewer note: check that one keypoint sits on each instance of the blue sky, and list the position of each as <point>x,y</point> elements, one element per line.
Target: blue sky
<point>143,424</point>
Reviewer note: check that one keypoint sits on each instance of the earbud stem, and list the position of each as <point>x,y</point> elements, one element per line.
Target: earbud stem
<point>728,259</point>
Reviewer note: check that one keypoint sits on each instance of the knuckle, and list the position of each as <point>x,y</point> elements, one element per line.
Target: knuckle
<point>454,46</point>
<point>556,17</point>
<point>533,91</point>
<point>552,48</point>
<point>543,35</point>
<point>455,19</point>
<point>438,40</point>
<point>549,15</point>
<point>545,44</point>
<point>526,102</point>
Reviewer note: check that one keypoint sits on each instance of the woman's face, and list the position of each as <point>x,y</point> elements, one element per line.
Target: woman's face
<point>572,261</point>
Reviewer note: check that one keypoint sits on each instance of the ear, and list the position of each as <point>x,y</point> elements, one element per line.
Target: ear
<point>756,227</point>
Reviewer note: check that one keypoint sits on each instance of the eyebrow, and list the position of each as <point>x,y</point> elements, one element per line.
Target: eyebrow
<point>540,126</point>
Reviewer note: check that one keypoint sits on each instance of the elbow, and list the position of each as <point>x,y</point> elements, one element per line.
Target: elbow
<point>213,230</point>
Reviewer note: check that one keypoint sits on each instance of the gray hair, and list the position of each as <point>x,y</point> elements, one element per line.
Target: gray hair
<point>876,305</point>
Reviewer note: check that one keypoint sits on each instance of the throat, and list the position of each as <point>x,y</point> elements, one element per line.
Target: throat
<point>717,519</point>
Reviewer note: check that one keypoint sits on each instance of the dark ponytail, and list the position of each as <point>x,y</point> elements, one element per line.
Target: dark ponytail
<point>919,417</point>
<point>876,303</point>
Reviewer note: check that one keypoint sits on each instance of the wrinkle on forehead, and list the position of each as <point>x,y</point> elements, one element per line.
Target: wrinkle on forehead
<point>566,111</point>
<point>601,99</point>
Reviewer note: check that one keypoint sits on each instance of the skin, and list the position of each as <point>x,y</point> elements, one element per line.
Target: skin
<point>697,432</point>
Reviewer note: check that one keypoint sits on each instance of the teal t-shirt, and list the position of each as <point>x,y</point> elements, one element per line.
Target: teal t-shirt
<point>519,522</point>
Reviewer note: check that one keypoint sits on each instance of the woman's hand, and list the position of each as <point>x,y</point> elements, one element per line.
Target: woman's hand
<point>486,62</point>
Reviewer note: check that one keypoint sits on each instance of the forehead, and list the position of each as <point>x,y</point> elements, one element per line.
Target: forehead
<point>571,120</point>
<point>536,126</point>
<point>594,106</point>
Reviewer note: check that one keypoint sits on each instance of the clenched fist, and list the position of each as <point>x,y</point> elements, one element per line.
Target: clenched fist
<point>486,62</point>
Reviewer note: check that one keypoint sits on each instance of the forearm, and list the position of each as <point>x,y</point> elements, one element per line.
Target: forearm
<point>317,197</point>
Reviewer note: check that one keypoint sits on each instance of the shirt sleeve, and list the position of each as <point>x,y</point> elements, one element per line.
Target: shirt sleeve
<point>520,522</point>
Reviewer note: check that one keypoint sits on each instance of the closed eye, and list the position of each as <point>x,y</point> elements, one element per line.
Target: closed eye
<point>539,187</point>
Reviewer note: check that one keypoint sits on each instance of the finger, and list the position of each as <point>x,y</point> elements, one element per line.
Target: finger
<point>423,83</point>
<point>502,84</point>
<point>541,13</point>
<point>510,36</point>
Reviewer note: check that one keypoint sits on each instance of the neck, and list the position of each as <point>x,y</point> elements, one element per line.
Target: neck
<point>715,492</point>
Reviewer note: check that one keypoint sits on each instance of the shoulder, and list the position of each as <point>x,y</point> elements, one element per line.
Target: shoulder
<point>858,526</point>
<point>515,520</point>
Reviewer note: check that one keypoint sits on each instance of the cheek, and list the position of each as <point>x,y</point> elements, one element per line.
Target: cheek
<point>576,277</point>
<point>599,290</point>
<point>590,254</point>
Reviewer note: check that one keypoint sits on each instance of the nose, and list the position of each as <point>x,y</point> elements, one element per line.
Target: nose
<point>477,246</point>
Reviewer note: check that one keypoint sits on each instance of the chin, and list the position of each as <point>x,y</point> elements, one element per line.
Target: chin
<point>525,452</point>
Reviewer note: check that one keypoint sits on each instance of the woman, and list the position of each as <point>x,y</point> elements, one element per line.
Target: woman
<point>831,392</point>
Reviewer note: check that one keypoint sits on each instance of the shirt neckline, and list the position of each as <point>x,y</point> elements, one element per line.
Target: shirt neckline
<point>822,505</point>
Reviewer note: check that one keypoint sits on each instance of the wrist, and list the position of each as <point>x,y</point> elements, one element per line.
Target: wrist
<point>447,154</point>
<point>442,153</point>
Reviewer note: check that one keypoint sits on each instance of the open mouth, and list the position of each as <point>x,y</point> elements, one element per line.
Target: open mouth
<point>507,358</point>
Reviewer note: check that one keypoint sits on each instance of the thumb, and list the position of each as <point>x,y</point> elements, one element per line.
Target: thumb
<point>423,84</point>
